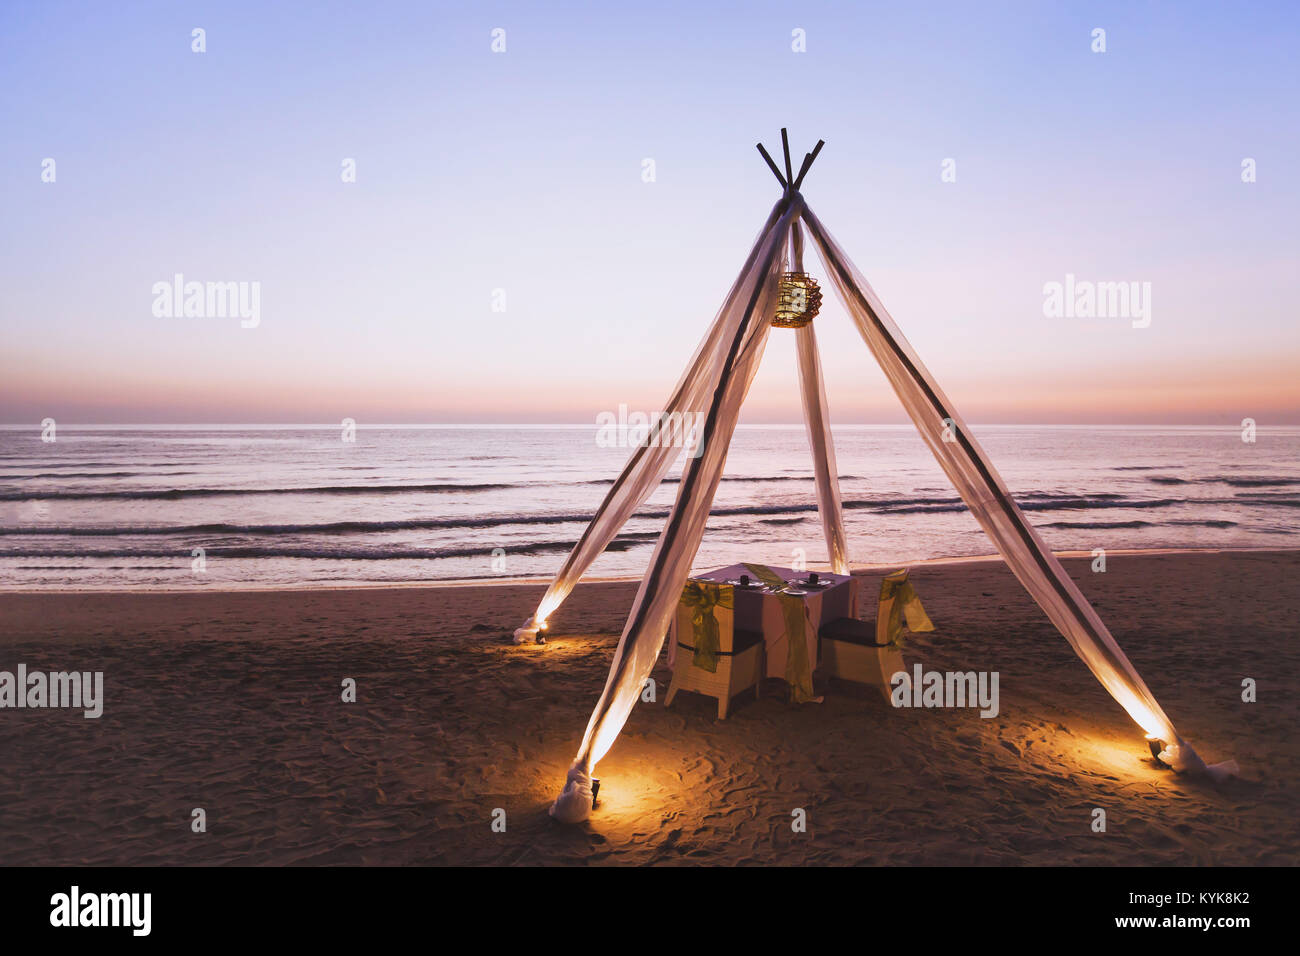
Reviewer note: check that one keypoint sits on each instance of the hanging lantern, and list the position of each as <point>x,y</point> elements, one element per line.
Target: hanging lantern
<point>798,300</point>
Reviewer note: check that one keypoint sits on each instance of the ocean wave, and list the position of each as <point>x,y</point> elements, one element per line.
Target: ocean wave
<point>1038,502</point>
<point>177,494</point>
<point>1098,525</point>
<point>258,551</point>
<point>734,479</point>
<point>28,476</point>
<point>342,553</point>
<point>1029,501</point>
<point>1258,482</point>
<point>1284,498</point>
<point>883,506</point>
<point>1076,504</point>
<point>402,524</point>
<point>1246,482</point>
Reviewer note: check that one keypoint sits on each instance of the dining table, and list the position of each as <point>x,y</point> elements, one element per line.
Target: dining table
<point>788,607</point>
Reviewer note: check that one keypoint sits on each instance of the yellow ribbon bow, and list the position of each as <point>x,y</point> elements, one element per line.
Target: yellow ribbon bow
<point>702,597</point>
<point>906,604</point>
<point>798,674</point>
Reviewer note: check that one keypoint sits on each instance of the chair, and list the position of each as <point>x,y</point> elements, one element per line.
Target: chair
<point>854,650</point>
<point>739,660</point>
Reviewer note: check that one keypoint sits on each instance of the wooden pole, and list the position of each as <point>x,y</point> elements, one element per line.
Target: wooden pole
<point>772,166</point>
<point>808,161</point>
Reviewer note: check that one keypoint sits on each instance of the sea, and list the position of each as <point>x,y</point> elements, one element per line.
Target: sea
<point>184,508</point>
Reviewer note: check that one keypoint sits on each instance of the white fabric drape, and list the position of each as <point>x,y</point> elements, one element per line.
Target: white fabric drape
<point>967,466</point>
<point>651,459</point>
<point>811,387</point>
<point>746,321</point>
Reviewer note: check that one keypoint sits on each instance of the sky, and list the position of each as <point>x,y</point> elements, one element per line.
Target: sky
<point>501,256</point>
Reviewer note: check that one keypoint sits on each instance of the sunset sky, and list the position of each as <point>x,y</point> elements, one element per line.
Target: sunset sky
<point>522,171</point>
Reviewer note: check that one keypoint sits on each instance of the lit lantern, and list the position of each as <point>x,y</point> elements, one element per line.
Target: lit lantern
<point>799,299</point>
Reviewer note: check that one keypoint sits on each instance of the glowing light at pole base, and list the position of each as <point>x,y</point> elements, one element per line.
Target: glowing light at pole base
<point>1143,716</point>
<point>544,610</point>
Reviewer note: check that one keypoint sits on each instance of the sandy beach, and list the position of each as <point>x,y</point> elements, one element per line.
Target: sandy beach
<point>230,701</point>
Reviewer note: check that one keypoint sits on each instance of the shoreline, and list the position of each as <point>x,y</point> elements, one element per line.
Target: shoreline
<point>508,582</point>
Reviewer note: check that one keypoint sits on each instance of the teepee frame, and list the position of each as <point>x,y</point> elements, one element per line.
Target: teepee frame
<point>718,379</point>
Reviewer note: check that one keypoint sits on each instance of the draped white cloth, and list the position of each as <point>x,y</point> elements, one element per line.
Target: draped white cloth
<point>746,321</point>
<point>811,387</point>
<point>651,459</point>
<point>980,486</point>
